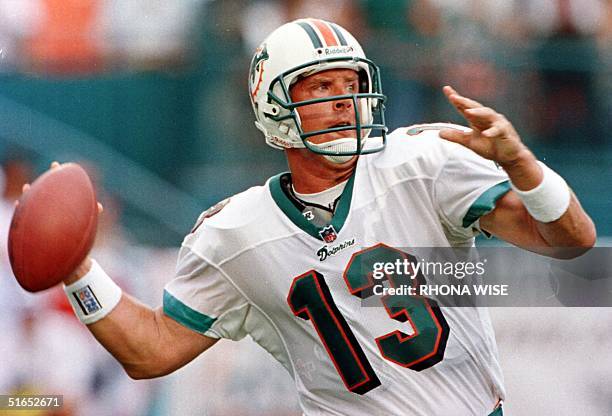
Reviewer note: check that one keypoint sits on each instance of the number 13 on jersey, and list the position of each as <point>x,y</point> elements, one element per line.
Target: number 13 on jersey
<point>311,299</point>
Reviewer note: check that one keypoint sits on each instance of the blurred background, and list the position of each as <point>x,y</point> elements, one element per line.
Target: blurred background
<point>151,96</point>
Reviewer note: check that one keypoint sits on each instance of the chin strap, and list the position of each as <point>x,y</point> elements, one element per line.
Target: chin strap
<point>346,145</point>
<point>342,145</point>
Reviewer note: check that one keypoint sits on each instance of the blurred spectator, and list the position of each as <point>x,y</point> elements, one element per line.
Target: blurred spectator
<point>17,170</point>
<point>18,18</point>
<point>604,39</point>
<point>564,18</point>
<point>68,39</point>
<point>472,45</point>
<point>405,41</point>
<point>568,59</point>
<point>260,18</point>
<point>38,360</point>
<point>605,28</point>
<point>150,34</point>
<point>346,13</point>
<point>498,17</point>
<point>223,99</point>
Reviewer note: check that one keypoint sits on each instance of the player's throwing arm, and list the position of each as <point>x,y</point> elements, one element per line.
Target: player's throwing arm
<point>44,250</point>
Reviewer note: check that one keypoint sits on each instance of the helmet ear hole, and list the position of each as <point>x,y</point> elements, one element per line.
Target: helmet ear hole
<point>269,109</point>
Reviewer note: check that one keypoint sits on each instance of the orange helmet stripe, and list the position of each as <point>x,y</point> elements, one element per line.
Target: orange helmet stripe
<point>326,31</point>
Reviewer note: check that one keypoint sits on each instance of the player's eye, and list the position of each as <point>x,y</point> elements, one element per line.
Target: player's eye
<point>352,86</point>
<point>323,86</point>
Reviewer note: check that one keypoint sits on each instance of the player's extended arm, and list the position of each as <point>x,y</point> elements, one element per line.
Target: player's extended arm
<point>493,137</point>
<point>146,342</point>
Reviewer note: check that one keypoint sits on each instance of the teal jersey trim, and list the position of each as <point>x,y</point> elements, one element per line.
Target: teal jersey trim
<point>186,316</point>
<point>296,217</point>
<point>485,203</point>
<point>497,412</point>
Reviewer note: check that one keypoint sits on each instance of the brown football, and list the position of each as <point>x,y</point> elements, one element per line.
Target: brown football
<point>53,227</point>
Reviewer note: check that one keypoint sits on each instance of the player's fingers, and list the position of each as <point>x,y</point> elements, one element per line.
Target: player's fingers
<point>500,128</point>
<point>448,90</point>
<point>55,164</point>
<point>100,208</point>
<point>482,117</point>
<point>459,101</point>
<point>456,136</point>
<point>463,103</point>
<point>483,113</point>
<point>495,131</point>
<point>24,189</point>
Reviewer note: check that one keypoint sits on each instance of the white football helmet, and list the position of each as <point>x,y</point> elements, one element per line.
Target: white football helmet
<point>301,48</point>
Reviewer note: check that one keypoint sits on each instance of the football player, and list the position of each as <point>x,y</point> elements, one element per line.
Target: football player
<point>283,262</point>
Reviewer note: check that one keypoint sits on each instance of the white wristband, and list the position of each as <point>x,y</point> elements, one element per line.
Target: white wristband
<point>549,200</point>
<point>94,295</point>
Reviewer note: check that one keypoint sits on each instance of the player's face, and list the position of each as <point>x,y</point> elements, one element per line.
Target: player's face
<point>330,113</point>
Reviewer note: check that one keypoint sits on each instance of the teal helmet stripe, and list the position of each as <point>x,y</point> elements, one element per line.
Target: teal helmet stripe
<point>316,42</point>
<point>339,34</point>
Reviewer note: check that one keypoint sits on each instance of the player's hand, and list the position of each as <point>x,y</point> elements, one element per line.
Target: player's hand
<point>491,136</point>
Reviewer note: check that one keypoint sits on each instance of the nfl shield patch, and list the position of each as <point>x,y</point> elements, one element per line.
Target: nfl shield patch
<point>328,234</point>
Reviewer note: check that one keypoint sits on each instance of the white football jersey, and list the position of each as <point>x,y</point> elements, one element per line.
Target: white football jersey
<point>256,265</point>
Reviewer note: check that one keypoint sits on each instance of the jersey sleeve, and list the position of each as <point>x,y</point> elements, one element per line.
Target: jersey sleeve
<point>202,299</point>
<point>467,187</point>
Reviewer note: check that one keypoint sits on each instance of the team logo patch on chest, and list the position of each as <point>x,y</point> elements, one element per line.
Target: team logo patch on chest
<point>329,235</point>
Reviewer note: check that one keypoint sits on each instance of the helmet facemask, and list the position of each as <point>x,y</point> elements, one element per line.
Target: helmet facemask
<point>368,104</point>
